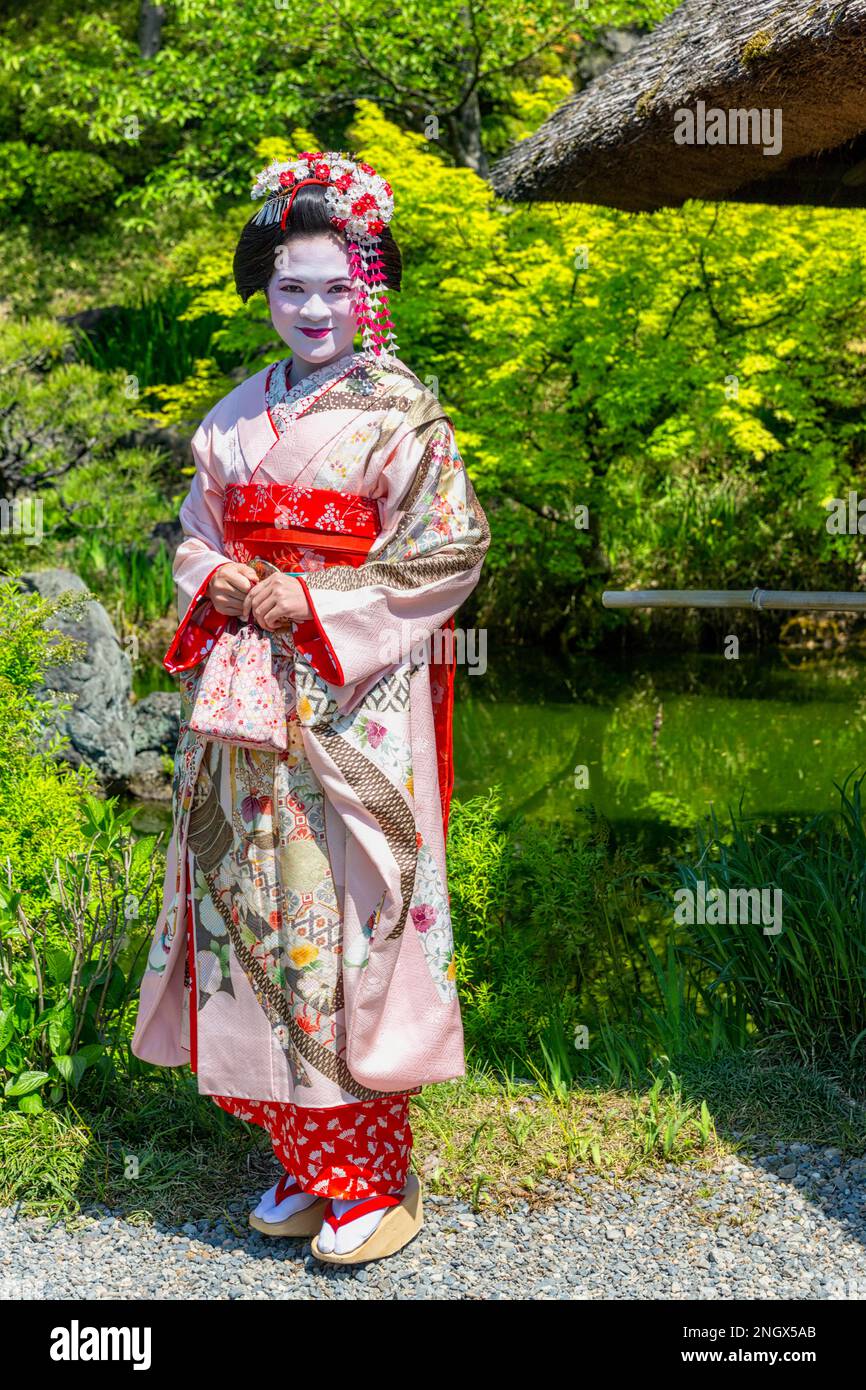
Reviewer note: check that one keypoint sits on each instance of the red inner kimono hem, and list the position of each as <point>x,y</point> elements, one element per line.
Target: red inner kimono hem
<point>344,1151</point>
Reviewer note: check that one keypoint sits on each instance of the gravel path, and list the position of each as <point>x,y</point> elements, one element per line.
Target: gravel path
<point>789,1225</point>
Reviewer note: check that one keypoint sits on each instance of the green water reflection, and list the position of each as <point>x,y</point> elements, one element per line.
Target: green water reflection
<point>661,738</point>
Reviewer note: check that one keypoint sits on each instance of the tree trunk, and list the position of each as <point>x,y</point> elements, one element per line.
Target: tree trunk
<point>466,123</point>
<point>150,21</point>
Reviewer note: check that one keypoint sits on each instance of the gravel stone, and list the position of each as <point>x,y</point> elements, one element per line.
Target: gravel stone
<point>743,1231</point>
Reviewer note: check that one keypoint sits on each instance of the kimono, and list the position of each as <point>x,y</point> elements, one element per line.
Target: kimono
<point>303,958</point>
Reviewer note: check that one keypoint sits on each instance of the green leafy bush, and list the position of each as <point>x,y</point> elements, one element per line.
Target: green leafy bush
<point>531,905</point>
<point>17,167</point>
<point>78,897</point>
<point>69,979</point>
<point>68,183</point>
<point>39,797</point>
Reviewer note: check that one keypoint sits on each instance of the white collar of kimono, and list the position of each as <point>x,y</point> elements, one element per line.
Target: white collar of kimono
<point>286,403</point>
<point>259,426</point>
<point>312,380</point>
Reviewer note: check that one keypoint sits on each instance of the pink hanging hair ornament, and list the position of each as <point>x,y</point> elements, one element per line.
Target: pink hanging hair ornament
<point>361,204</point>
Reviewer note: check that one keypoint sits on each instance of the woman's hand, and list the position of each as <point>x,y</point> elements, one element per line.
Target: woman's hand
<point>276,601</point>
<point>230,586</point>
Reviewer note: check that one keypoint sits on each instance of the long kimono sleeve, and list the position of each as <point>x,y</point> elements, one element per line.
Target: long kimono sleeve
<point>201,517</point>
<point>198,556</point>
<point>424,563</point>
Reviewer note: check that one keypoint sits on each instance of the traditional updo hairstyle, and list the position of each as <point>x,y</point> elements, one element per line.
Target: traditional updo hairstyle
<point>255,255</point>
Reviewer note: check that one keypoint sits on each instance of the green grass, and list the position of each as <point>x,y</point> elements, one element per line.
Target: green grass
<point>805,985</point>
<point>158,1151</point>
<point>149,340</point>
<point>135,587</point>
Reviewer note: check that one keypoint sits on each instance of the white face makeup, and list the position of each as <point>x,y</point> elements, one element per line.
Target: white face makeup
<point>311,299</point>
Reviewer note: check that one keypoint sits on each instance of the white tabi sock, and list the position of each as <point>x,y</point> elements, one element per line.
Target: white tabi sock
<point>353,1233</point>
<point>296,1201</point>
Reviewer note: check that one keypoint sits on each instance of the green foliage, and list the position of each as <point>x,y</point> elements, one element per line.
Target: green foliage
<point>67,984</point>
<point>804,984</point>
<point>39,800</point>
<point>77,899</point>
<point>70,183</point>
<point>29,347</point>
<point>152,341</point>
<point>529,904</point>
<point>132,584</point>
<point>60,413</point>
<point>17,170</point>
<point>178,127</point>
<point>569,959</point>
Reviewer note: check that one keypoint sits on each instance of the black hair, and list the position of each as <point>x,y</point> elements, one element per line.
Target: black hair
<point>256,251</point>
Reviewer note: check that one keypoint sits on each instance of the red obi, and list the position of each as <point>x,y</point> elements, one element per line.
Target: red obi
<point>309,528</point>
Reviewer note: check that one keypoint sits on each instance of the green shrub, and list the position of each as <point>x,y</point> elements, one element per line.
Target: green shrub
<point>69,980</point>
<point>39,798</point>
<point>78,898</point>
<point>532,906</point>
<point>68,183</point>
<point>18,162</point>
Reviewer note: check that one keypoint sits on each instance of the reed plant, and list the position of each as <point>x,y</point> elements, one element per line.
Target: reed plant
<point>805,985</point>
<point>571,964</point>
<point>150,339</point>
<point>134,585</point>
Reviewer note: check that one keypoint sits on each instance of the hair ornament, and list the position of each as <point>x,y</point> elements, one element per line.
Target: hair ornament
<point>361,204</point>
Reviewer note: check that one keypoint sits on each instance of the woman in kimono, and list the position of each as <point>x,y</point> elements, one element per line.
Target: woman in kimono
<point>303,960</point>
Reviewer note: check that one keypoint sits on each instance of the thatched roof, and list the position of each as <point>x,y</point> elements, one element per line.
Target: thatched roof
<point>614,144</point>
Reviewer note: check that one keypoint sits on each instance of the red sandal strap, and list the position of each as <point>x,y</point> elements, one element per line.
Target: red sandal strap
<point>369,1204</point>
<point>287,1185</point>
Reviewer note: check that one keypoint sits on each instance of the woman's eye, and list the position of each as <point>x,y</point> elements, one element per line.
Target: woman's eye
<point>335,289</point>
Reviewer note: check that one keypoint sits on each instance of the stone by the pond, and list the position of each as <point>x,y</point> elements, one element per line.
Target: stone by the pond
<point>156,722</point>
<point>99,725</point>
<point>150,779</point>
<point>155,732</point>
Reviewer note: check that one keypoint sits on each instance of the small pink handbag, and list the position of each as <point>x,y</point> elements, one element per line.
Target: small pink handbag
<point>240,698</point>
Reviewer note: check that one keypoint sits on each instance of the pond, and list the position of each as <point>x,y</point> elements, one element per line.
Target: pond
<point>653,741</point>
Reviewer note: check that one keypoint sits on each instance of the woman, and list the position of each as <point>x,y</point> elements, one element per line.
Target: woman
<point>306,889</point>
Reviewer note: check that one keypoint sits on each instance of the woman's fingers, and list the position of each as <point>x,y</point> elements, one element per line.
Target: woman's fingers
<point>240,592</point>
<point>241,579</point>
<point>254,594</point>
<point>230,607</point>
<point>231,586</point>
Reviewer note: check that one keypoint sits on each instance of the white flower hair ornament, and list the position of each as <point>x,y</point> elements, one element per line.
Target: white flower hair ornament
<point>361,203</point>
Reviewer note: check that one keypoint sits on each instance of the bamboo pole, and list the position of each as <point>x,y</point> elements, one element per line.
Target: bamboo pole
<point>760,599</point>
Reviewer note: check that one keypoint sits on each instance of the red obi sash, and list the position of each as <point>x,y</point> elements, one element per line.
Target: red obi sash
<point>310,528</point>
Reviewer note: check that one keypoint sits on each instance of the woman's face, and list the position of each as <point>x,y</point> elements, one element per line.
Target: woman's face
<point>311,297</point>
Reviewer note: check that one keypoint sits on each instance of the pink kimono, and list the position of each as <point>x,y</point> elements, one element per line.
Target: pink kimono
<point>304,955</point>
